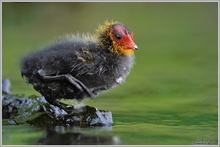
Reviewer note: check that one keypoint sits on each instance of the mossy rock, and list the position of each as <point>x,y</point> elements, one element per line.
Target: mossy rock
<point>33,110</point>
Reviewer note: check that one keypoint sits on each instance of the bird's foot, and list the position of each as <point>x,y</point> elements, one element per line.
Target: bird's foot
<point>69,109</point>
<point>72,109</point>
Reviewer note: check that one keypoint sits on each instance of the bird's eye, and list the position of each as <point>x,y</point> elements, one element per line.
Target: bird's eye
<point>118,36</point>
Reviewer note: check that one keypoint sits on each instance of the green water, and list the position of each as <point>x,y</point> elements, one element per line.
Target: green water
<point>171,94</point>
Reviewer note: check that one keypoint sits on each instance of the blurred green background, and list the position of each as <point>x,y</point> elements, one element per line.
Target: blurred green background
<point>171,94</point>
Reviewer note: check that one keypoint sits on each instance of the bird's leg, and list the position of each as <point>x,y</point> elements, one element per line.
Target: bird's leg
<point>63,106</point>
<point>72,80</point>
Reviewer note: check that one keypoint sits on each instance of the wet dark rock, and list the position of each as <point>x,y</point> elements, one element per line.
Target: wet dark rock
<point>33,110</point>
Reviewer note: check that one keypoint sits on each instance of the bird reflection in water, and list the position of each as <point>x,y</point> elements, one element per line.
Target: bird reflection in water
<point>76,136</point>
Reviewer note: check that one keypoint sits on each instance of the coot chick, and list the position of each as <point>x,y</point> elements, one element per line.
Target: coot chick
<point>78,67</point>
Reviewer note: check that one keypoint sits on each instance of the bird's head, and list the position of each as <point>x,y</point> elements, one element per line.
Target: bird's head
<point>118,38</point>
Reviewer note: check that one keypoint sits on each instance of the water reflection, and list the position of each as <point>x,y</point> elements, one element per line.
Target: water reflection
<point>77,136</point>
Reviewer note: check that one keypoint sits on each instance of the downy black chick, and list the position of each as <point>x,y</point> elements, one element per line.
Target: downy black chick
<point>78,67</point>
